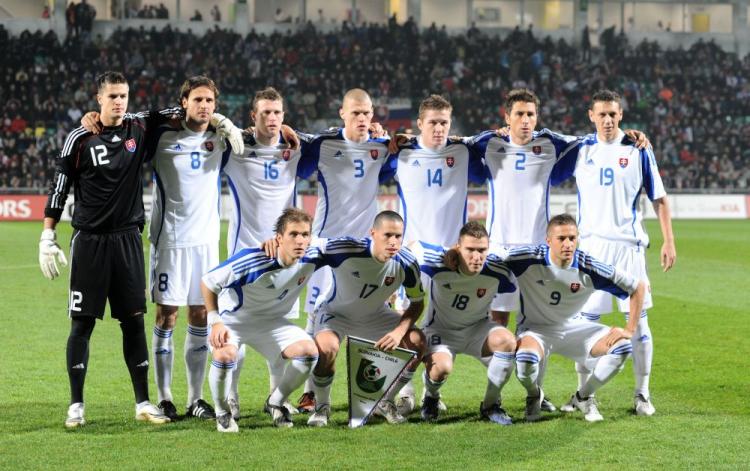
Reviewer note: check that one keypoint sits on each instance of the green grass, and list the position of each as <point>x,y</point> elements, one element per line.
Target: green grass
<point>700,385</point>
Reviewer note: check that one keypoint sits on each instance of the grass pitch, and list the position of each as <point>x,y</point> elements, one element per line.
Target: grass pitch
<point>700,387</point>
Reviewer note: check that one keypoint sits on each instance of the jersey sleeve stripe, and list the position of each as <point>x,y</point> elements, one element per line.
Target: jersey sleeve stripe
<point>71,140</point>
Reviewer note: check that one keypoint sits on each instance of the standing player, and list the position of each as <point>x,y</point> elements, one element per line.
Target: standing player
<point>348,163</point>
<point>457,319</point>
<point>187,155</point>
<point>610,174</point>
<point>184,236</point>
<point>518,168</point>
<point>366,272</point>
<point>257,292</point>
<point>262,182</point>
<point>106,250</point>
<point>432,174</point>
<point>555,281</point>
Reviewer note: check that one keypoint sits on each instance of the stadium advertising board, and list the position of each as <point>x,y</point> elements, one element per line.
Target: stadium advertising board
<point>31,207</point>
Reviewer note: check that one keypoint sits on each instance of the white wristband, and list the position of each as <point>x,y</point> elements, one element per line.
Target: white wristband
<point>213,318</point>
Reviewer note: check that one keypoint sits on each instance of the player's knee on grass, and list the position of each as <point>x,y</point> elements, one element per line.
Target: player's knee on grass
<point>499,340</point>
<point>439,366</point>
<point>303,348</point>
<point>415,340</point>
<point>225,354</point>
<point>197,316</point>
<point>166,316</point>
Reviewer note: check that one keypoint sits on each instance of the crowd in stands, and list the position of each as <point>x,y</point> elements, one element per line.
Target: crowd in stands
<point>694,103</point>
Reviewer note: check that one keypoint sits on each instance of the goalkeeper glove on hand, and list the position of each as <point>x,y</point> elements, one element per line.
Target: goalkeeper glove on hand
<point>50,254</point>
<point>227,130</point>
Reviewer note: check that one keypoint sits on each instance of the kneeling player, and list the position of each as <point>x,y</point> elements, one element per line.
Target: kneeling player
<point>555,280</point>
<point>258,292</point>
<point>457,319</point>
<point>366,272</point>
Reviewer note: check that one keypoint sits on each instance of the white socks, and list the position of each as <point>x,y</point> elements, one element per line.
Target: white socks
<point>606,368</point>
<point>217,381</point>
<point>527,370</point>
<point>163,347</point>
<point>196,354</point>
<point>499,370</point>
<point>298,369</point>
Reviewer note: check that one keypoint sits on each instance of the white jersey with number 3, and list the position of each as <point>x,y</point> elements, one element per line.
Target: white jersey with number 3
<point>186,198</point>
<point>348,180</point>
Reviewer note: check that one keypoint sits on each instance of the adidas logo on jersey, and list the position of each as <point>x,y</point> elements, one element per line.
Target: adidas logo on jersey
<point>252,154</point>
<point>338,154</point>
<point>416,164</point>
<point>116,138</point>
<point>540,282</point>
<point>447,286</point>
<point>355,274</point>
<point>177,147</point>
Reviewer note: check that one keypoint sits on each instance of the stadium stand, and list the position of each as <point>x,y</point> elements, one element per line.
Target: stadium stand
<point>702,140</point>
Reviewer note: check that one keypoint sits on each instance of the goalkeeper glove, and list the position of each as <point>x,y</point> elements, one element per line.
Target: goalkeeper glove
<point>50,254</point>
<point>227,130</point>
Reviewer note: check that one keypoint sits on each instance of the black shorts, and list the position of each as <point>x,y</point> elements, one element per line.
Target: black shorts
<point>107,266</point>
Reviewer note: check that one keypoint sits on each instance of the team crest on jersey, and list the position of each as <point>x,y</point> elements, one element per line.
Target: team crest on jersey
<point>374,154</point>
<point>286,154</point>
<point>130,145</point>
<point>301,280</point>
<point>537,149</point>
<point>481,292</point>
<point>389,280</point>
<point>574,287</point>
<point>623,162</point>
<point>209,146</point>
<point>450,161</point>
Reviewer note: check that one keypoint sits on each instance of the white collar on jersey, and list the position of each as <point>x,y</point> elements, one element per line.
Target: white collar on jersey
<point>421,144</point>
<point>343,134</point>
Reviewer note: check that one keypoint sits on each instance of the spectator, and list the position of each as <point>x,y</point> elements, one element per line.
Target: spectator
<point>216,14</point>
<point>197,16</point>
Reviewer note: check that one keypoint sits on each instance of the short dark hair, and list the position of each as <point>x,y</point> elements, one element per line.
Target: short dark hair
<point>268,93</point>
<point>109,77</point>
<point>473,229</point>
<point>195,82</point>
<point>291,215</point>
<point>434,102</point>
<point>521,95</point>
<point>605,96</point>
<point>387,215</point>
<point>561,220</point>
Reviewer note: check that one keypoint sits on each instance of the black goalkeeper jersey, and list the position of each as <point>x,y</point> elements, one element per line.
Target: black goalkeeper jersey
<point>106,173</point>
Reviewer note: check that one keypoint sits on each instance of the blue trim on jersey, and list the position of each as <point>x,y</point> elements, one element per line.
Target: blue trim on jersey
<point>546,198</point>
<point>322,182</point>
<point>255,273</point>
<point>601,274</point>
<point>521,258</point>
<point>634,210</point>
<point>491,186</point>
<point>495,268</point>
<point>400,193</point>
<point>466,209</point>
<point>647,157</point>
<point>410,266</point>
<point>578,216</point>
<point>242,253</point>
<point>522,313</point>
<point>333,291</point>
<point>160,186</point>
<point>236,196</point>
<point>225,157</point>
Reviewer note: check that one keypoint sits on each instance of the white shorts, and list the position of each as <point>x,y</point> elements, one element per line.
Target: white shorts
<point>625,257</point>
<point>505,302</point>
<point>573,340</point>
<point>317,289</point>
<point>469,340</point>
<point>369,327</point>
<point>176,273</point>
<point>269,337</point>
